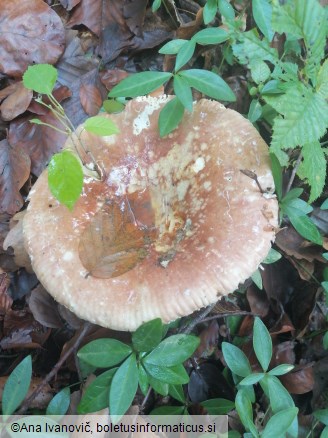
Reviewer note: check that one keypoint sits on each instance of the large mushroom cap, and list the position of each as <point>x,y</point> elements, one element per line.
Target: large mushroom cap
<point>174,225</point>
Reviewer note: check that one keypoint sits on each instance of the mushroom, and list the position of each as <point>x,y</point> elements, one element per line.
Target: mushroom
<point>173,225</point>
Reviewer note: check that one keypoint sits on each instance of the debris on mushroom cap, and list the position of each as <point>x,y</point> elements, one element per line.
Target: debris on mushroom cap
<point>199,225</point>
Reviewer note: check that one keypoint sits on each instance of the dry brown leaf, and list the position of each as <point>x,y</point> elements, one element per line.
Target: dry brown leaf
<point>134,13</point>
<point>91,99</point>
<point>293,244</point>
<point>300,380</point>
<point>44,308</point>
<point>208,341</point>
<point>15,240</point>
<point>114,243</point>
<point>258,301</point>
<point>16,103</point>
<point>14,172</point>
<point>5,300</point>
<point>31,33</point>
<point>112,77</point>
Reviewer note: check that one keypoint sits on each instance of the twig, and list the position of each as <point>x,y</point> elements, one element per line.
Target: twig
<point>188,328</point>
<point>224,315</point>
<point>292,177</point>
<point>55,369</point>
<point>143,404</point>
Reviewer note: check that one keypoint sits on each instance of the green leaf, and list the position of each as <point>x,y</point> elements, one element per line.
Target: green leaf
<point>96,395</point>
<point>218,406</point>
<point>124,387</point>
<point>252,379</point>
<point>183,92</point>
<point>262,343</point>
<point>295,206</point>
<point>324,205</point>
<point>174,375</point>
<point>279,423</point>
<point>322,416</point>
<point>140,84</point>
<point>60,403</point>
<point>65,178</point>
<point>262,13</point>
<point>211,35</point>
<point>305,117</point>
<point>277,174</point>
<point>257,278</point>
<point>161,388</point>
<point>236,359</point>
<point>280,398</point>
<point>281,369</point>
<point>185,54</point>
<point>272,257</point>
<point>324,433</point>
<point>104,353</point>
<point>148,335</point>
<point>272,87</point>
<point>325,341</point>
<point>170,116</point>
<point>143,379</point>
<point>16,386</point>
<point>173,350</point>
<point>156,4</point>
<point>209,83</point>
<point>40,78</point>
<point>209,11</point>
<point>112,106</point>
<point>245,411</point>
<point>250,47</point>
<point>100,126</point>
<point>260,71</point>
<point>313,168</point>
<point>306,228</point>
<point>293,194</point>
<point>226,10</point>
<point>322,80</point>
<point>172,47</point>
<point>176,391</point>
<point>255,111</point>
<point>303,19</point>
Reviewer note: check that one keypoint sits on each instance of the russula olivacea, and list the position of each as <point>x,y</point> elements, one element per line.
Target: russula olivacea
<point>173,225</point>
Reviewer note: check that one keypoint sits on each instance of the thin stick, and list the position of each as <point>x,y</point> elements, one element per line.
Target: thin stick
<point>292,177</point>
<point>55,369</point>
<point>188,328</point>
<point>224,315</point>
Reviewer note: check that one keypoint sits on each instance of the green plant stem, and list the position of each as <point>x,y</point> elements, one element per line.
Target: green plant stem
<point>53,127</point>
<point>312,429</point>
<point>292,177</point>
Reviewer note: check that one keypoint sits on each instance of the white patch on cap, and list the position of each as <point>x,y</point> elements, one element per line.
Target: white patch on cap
<point>142,122</point>
<point>68,256</point>
<point>198,165</point>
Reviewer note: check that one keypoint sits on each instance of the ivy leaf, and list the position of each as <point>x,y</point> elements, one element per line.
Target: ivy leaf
<point>173,350</point>
<point>104,353</point>
<point>313,168</point>
<point>65,178</point>
<point>40,78</point>
<point>60,403</point>
<point>211,35</point>
<point>123,388</point>
<point>236,359</point>
<point>209,83</point>
<point>16,386</point>
<point>96,395</point>
<point>148,335</point>
<point>183,92</point>
<point>262,13</point>
<point>170,116</point>
<point>100,126</point>
<point>305,117</point>
<point>139,84</point>
<point>210,10</point>
<point>262,343</point>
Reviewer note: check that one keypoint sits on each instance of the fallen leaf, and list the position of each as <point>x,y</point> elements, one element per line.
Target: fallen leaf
<point>31,33</point>
<point>16,103</point>
<point>112,77</point>
<point>5,300</point>
<point>134,13</point>
<point>69,4</point>
<point>300,380</point>
<point>258,301</point>
<point>91,99</point>
<point>39,141</point>
<point>14,172</point>
<point>21,283</point>
<point>44,308</point>
<point>293,244</point>
<point>208,341</point>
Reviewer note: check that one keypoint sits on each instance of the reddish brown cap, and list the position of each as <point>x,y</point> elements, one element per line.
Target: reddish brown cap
<point>174,225</point>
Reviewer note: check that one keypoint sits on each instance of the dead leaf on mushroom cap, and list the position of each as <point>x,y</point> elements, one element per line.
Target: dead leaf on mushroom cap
<point>211,222</point>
